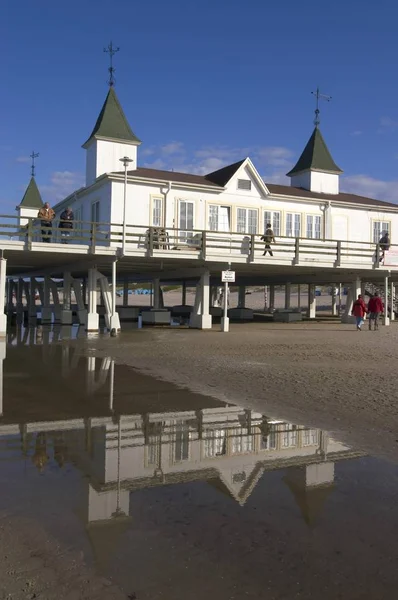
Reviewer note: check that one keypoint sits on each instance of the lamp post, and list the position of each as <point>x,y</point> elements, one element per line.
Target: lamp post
<point>126,161</point>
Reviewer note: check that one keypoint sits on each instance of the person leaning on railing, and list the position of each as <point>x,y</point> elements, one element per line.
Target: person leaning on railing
<point>66,224</point>
<point>384,244</point>
<point>46,216</point>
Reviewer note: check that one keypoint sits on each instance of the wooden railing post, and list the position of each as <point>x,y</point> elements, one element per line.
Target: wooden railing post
<point>252,247</point>
<point>29,238</point>
<point>338,254</point>
<point>150,242</point>
<point>203,244</point>
<point>297,251</point>
<point>377,258</point>
<point>93,236</point>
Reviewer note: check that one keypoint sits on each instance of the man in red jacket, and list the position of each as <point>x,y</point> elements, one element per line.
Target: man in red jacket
<point>359,311</point>
<point>375,307</point>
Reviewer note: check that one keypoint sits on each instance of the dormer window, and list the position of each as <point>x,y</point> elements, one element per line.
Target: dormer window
<point>244,184</point>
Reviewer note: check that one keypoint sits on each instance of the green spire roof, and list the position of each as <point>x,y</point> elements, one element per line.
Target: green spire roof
<point>315,157</point>
<point>32,198</point>
<point>112,123</point>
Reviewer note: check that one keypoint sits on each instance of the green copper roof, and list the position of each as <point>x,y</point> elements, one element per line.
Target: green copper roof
<point>32,198</point>
<point>315,156</point>
<point>112,123</point>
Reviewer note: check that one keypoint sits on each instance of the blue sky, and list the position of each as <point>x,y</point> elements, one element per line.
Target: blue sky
<point>202,85</point>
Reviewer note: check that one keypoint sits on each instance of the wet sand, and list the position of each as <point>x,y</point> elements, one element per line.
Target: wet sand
<point>327,375</point>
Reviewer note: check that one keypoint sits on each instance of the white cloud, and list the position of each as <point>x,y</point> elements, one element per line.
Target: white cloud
<point>387,125</point>
<point>364,185</point>
<point>62,183</point>
<point>272,161</point>
<point>23,159</point>
<point>356,133</point>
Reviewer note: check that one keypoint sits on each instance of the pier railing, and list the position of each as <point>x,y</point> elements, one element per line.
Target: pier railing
<point>205,245</point>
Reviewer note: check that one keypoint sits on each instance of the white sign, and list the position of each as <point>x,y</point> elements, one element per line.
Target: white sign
<point>228,276</point>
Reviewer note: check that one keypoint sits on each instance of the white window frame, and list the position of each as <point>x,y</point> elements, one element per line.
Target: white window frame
<point>181,441</point>
<point>289,436</point>
<point>243,225</point>
<point>275,218</point>
<point>293,225</point>
<point>214,220</point>
<point>377,229</point>
<point>157,211</point>
<point>214,443</point>
<point>185,233</point>
<point>310,437</point>
<point>311,232</point>
<point>242,441</point>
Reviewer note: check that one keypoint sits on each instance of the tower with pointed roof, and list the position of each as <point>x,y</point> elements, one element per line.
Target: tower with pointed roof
<point>31,202</point>
<point>110,140</point>
<point>316,170</point>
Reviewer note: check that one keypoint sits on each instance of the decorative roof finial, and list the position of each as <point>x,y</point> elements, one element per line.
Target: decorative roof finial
<point>111,50</point>
<point>318,97</point>
<point>33,156</point>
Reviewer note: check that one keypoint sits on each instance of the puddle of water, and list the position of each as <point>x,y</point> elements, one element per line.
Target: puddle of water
<point>175,495</point>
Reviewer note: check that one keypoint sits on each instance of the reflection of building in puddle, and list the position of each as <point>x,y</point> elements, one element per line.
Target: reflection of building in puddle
<point>228,447</point>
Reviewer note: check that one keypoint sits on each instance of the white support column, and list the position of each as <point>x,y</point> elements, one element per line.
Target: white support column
<point>392,303</point>
<point>46,313</point>
<point>200,317</point>
<point>340,299</point>
<point>353,292</point>
<point>299,296</point>
<point>311,302</point>
<point>334,300</point>
<point>3,345</point>
<point>386,317</point>
<point>288,288</point>
<point>3,316</point>
<point>114,319</point>
<point>66,312</point>
<point>242,296</point>
<point>92,315</point>
<point>225,318</point>
<point>271,297</point>
<point>126,292</point>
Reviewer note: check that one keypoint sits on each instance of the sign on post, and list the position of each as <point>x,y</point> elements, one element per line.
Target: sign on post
<point>228,276</point>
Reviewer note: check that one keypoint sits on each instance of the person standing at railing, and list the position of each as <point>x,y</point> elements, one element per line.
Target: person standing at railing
<point>375,307</point>
<point>384,244</point>
<point>46,216</point>
<point>268,238</point>
<point>66,224</point>
<point>359,311</point>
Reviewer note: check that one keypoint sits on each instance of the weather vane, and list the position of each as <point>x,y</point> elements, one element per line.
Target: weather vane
<point>111,50</point>
<point>318,97</point>
<point>33,156</point>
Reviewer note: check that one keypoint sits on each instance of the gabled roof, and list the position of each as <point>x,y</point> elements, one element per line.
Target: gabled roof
<point>315,157</point>
<point>32,197</point>
<point>222,176</point>
<point>112,123</point>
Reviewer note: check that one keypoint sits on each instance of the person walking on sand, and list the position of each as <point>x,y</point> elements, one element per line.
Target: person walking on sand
<point>46,216</point>
<point>268,238</point>
<point>359,311</point>
<point>375,307</point>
